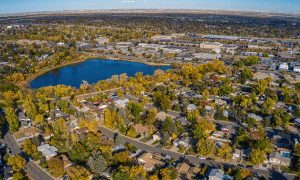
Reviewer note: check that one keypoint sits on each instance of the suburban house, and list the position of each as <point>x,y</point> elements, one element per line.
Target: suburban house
<point>121,103</point>
<point>279,140</point>
<point>47,136</point>
<point>185,141</point>
<point>82,130</point>
<point>65,160</point>
<point>256,117</point>
<point>159,136</point>
<point>217,174</point>
<point>227,129</point>
<point>108,171</point>
<point>143,130</point>
<point>236,154</point>
<point>226,113</point>
<point>148,162</point>
<point>183,121</point>
<point>118,148</point>
<point>220,102</point>
<point>162,116</point>
<point>48,151</point>
<point>282,158</point>
<point>186,171</point>
<point>191,107</point>
<point>218,134</point>
<point>7,173</point>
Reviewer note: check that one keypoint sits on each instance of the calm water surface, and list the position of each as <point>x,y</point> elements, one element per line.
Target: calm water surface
<point>92,71</point>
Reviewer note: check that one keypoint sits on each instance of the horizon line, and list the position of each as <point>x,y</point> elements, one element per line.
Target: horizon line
<point>149,9</point>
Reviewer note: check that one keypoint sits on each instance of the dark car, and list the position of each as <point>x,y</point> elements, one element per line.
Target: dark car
<point>240,165</point>
<point>250,167</point>
<point>210,159</point>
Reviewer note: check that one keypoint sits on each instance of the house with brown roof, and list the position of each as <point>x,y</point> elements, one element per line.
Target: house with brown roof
<point>82,130</point>
<point>186,171</point>
<point>143,130</point>
<point>148,162</point>
<point>67,163</point>
<point>31,131</point>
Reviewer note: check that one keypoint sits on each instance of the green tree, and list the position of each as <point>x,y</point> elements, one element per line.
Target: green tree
<point>12,119</point>
<point>225,90</point>
<point>119,93</point>
<point>192,116</point>
<point>151,117</point>
<point>257,156</point>
<point>119,140</point>
<point>263,144</point>
<point>205,147</point>
<point>100,164</point>
<point>269,103</point>
<point>250,121</point>
<point>198,132</point>
<point>251,60</point>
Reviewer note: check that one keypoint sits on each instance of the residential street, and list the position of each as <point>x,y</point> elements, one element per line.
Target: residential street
<point>273,175</point>
<point>33,170</point>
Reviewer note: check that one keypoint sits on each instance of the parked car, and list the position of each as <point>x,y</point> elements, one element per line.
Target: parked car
<point>285,173</point>
<point>210,159</point>
<point>250,167</point>
<point>257,175</point>
<point>186,154</point>
<point>174,163</point>
<point>30,159</point>
<point>201,157</point>
<point>240,165</point>
<point>167,156</point>
<point>158,147</point>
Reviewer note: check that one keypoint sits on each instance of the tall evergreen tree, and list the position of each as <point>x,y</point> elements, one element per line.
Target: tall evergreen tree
<point>100,164</point>
<point>91,163</point>
<point>119,140</point>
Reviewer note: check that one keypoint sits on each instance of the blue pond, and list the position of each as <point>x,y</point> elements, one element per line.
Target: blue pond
<point>92,71</point>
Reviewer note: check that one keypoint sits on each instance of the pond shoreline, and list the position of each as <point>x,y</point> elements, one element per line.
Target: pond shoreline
<point>89,71</point>
<point>26,84</point>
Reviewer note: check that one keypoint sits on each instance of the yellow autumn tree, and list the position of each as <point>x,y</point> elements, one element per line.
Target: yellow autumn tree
<point>17,162</point>
<point>79,173</point>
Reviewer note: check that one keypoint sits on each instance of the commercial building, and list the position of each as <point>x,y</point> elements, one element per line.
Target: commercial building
<point>102,40</point>
<point>283,66</point>
<point>233,38</point>
<point>206,56</point>
<point>211,45</point>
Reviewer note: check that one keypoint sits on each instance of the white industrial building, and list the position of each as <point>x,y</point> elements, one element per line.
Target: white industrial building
<point>211,45</point>
<point>206,56</point>
<point>283,66</point>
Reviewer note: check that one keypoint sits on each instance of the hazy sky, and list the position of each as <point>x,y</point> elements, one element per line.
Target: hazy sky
<point>17,6</point>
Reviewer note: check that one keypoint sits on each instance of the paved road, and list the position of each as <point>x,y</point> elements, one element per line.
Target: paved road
<point>33,170</point>
<point>178,156</point>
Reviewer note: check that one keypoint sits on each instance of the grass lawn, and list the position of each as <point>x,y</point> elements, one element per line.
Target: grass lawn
<point>191,152</point>
<point>181,151</point>
<point>63,150</point>
<point>155,143</point>
<point>18,135</point>
<point>145,139</point>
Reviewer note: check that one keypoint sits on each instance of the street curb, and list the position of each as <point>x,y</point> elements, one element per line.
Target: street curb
<point>43,170</point>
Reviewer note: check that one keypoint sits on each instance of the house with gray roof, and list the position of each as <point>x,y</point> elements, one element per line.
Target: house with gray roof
<point>122,103</point>
<point>191,107</point>
<point>217,174</point>
<point>185,141</point>
<point>256,117</point>
<point>48,151</point>
<point>183,121</point>
<point>118,148</point>
<point>276,158</point>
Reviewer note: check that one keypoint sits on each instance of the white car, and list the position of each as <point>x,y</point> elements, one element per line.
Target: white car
<point>167,156</point>
<point>201,157</point>
<point>30,159</point>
